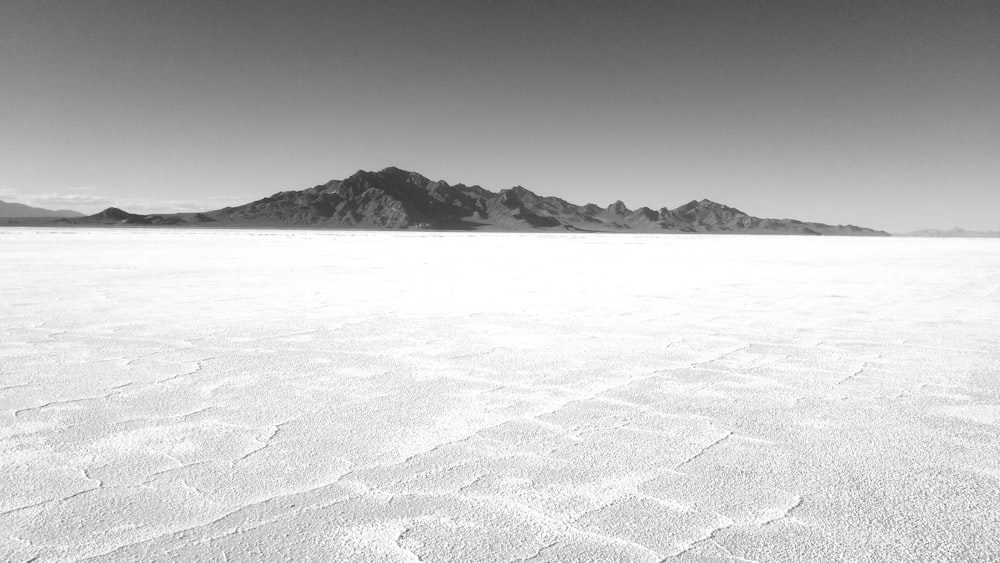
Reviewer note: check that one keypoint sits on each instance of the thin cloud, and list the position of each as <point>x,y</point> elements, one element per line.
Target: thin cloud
<point>68,200</point>
<point>149,206</point>
<point>55,200</point>
<point>159,206</point>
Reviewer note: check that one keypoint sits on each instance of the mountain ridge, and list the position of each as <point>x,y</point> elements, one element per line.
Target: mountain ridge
<point>393,198</point>
<point>12,210</point>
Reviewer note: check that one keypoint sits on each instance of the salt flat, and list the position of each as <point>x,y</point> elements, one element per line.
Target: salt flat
<point>186,395</point>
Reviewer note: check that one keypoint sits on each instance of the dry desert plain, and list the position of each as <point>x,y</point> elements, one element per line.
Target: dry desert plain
<point>214,395</point>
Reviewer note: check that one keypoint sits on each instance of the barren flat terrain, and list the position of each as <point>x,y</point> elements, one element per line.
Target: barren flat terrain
<point>182,395</point>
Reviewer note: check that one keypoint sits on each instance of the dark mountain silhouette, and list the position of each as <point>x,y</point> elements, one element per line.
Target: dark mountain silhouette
<point>10,210</point>
<point>398,199</point>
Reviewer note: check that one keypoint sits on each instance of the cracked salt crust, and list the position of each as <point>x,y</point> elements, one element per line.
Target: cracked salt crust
<point>225,395</point>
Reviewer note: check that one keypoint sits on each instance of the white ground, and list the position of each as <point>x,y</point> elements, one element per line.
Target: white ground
<point>181,395</point>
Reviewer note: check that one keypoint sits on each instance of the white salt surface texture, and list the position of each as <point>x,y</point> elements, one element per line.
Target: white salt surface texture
<point>200,395</point>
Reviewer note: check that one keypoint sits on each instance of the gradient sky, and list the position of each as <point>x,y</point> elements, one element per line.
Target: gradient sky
<point>881,114</point>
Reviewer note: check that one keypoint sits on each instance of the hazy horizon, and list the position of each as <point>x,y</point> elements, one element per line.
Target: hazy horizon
<point>881,115</point>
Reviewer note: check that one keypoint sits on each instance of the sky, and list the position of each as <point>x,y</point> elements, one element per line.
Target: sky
<point>876,113</point>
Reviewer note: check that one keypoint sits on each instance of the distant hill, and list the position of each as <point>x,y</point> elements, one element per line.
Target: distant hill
<point>398,199</point>
<point>10,210</point>
<point>115,216</point>
<point>954,233</point>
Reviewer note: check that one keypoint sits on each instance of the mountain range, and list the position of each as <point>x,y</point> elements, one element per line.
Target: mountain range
<point>393,198</point>
<point>19,210</point>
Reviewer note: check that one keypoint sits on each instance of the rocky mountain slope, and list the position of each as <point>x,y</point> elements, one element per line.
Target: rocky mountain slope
<point>398,199</point>
<point>9,210</point>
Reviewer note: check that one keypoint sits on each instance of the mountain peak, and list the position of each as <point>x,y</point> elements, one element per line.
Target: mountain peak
<point>406,176</point>
<point>705,205</point>
<point>618,208</point>
<point>112,213</point>
<point>393,170</point>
